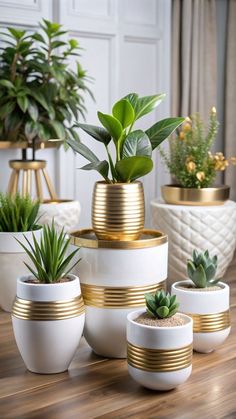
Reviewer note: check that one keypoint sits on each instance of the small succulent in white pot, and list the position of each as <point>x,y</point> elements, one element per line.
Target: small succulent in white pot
<point>206,300</point>
<point>48,312</point>
<point>159,343</point>
<point>18,219</point>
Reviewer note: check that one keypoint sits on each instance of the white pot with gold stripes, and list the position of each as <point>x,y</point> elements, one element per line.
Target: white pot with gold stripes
<point>48,321</point>
<point>159,358</point>
<point>210,313</point>
<point>114,276</point>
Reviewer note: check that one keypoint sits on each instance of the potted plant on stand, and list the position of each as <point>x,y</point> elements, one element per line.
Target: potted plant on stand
<point>159,343</point>
<point>48,312</point>
<point>206,300</point>
<point>18,219</point>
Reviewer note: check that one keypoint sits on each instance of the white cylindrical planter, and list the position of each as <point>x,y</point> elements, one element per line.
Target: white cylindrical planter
<point>48,321</point>
<point>159,358</point>
<point>65,213</point>
<point>12,258</point>
<point>210,313</point>
<point>196,227</point>
<point>114,277</point>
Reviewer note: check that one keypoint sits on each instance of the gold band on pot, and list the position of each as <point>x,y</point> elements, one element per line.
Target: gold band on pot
<point>177,195</point>
<point>159,360</point>
<point>48,310</point>
<point>207,323</point>
<point>117,297</point>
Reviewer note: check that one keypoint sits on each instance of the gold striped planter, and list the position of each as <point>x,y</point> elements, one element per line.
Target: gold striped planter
<point>209,323</point>
<point>118,210</point>
<point>176,195</point>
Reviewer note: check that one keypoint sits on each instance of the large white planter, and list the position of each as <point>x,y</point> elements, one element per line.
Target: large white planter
<point>114,277</point>
<point>210,313</point>
<point>194,227</point>
<point>48,321</point>
<point>65,213</point>
<point>159,358</point>
<point>12,258</point>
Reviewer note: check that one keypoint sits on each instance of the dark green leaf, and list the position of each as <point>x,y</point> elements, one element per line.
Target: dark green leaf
<point>23,103</point>
<point>132,168</point>
<point>112,125</point>
<point>137,143</point>
<point>59,129</point>
<point>162,312</point>
<point>83,150</point>
<point>101,167</point>
<point>98,133</point>
<point>124,112</point>
<point>162,130</point>
<point>7,83</point>
<point>33,110</point>
<point>147,104</point>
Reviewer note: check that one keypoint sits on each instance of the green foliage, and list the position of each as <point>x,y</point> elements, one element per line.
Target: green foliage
<point>39,93</point>
<point>161,304</point>
<point>202,269</point>
<point>18,214</point>
<point>49,256</point>
<point>190,160</point>
<point>133,147</point>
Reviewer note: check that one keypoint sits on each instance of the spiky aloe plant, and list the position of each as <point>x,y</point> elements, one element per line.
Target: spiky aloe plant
<point>161,304</point>
<point>18,214</point>
<point>202,269</point>
<point>49,255</point>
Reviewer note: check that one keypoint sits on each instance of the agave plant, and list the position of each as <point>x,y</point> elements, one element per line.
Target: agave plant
<point>202,269</point>
<point>133,147</point>
<point>49,257</point>
<point>18,214</point>
<point>161,304</point>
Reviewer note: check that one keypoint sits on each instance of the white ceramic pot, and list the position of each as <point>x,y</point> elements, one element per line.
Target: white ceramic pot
<point>210,313</point>
<point>48,321</point>
<point>159,358</point>
<point>12,258</point>
<point>114,277</point>
<point>65,213</point>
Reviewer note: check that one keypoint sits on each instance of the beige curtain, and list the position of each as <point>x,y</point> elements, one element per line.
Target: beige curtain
<point>194,83</point>
<point>230,95</point>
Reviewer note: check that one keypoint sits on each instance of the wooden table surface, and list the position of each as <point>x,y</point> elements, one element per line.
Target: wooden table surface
<point>95,387</point>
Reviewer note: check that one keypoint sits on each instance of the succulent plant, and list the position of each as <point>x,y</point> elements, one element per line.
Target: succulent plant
<point>202,269</point>
<point>161,304</point>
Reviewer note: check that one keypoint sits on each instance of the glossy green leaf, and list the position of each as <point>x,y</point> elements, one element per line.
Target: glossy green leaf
<point>147,104</point>
<point>124,112</point>
<point>83,150</point>
<point>132,99</point>
<point>162,130</point>
<point>137,143</point>
<point>59,129</point>
<point>133,168</point>
<point>33,110</point>
<point>112,125</point>
<point>98,133</point>
<point>100,166</point>
<point>23,103</point>
<point>7,83</point>
<point>6,109</point>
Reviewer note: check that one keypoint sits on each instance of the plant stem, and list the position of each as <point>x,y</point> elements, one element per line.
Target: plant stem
<point>24,154</point>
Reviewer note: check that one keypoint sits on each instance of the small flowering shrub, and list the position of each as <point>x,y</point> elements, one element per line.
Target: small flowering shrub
<point>190,160</point>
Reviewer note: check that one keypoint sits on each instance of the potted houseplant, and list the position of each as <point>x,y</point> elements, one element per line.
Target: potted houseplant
<point>159,343</point>
<point>118,201</point>
<point>206,300</point>
<point>18,219</point>
<point>48,312</point>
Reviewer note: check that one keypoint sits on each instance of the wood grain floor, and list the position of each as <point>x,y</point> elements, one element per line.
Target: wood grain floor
<point>95,387</point>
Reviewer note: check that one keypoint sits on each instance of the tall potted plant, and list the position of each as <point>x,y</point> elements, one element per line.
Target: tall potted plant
<point>118,201</point>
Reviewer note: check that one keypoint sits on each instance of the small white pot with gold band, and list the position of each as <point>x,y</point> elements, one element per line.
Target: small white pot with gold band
<point>114,276</point>
<point>159,358</point>
<point>209,311</point>
<point>48,321</point>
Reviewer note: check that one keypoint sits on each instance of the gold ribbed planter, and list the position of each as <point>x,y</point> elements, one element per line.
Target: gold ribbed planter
<point>118,210</point>
<point>176,195</point>
<point>209,323</point>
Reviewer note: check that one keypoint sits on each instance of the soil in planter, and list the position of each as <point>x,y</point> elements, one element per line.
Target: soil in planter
<point>146,320</point>
<point>35,281</point>
<point>193,288</point>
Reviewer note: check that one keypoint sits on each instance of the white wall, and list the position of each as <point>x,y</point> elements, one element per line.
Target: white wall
<point>126,48</point>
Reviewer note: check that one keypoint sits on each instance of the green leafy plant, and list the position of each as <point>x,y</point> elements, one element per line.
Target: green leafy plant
<point>202,269</point>
<point>18,214</point>
<point>39,93</point>
<point>133,147</point>
<point>161,305</point>
<point>49,255</point>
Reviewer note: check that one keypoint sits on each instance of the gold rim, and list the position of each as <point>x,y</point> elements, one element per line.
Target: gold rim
<point>27,165</point>
<point>177,195</point>
<point>117,297</point>
<point>208,323</point>
<point>86,238</point>
<point>48,310</point>
<point>159,360</point>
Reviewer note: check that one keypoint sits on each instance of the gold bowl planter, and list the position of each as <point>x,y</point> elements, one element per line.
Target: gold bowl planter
<point>118,210</point>
<point>176,195</point>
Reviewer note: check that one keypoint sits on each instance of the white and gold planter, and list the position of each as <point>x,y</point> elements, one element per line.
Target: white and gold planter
<point>159,358</point>
<point>48,321</point>
<point>114,276</point>
<point>177,195</point>
<point>210,313</point>
<point>12,258</point>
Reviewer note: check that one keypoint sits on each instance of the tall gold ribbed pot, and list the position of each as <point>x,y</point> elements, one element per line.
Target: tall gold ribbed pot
<point>118,210</point>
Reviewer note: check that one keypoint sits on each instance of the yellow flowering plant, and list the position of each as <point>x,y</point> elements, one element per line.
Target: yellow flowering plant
<point>190,160</point>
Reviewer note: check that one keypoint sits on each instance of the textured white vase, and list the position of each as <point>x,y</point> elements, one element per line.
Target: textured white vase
<point>66,213</point>
<point>193,227</point>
